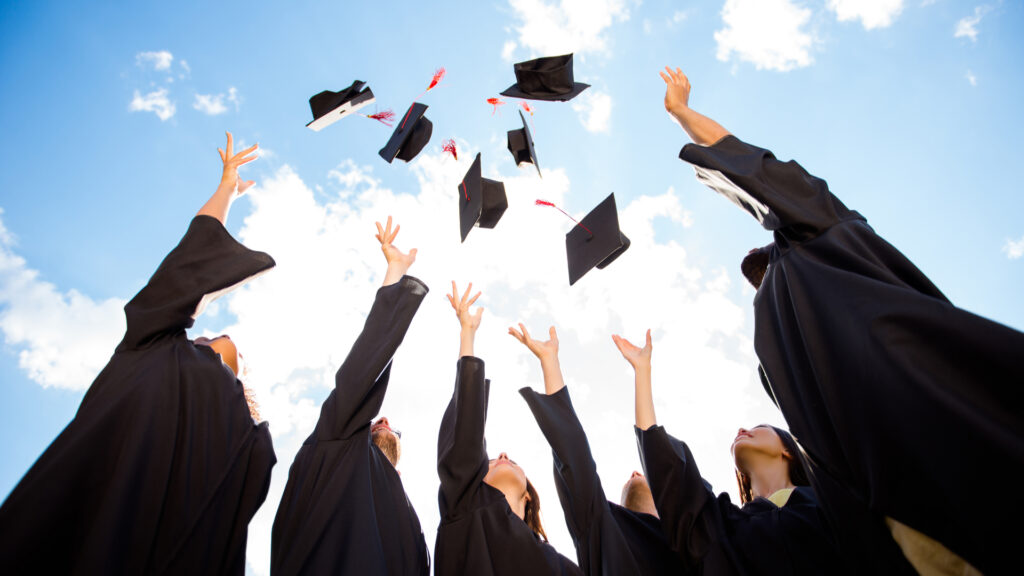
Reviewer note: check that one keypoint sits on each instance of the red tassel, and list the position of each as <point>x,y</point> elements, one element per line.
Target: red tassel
<point>449,146</point>
<point>495,102</point>
<point>438,75</point>
<point>384,117</point>
<point>546,203</point>
<point>464,191</point>
<point>527,108</point>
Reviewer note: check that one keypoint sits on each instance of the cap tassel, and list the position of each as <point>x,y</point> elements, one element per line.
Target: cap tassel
<point>526,107</point>
<point>438,76</point>
<point>385,117</point>
<point>495,102</point>
<point>464,191</point>
<point>449,146</point>
<point>546,203</point>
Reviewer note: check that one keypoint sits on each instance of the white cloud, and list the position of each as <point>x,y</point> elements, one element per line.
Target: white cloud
<point>579,26</point>
<point>767,33</point>
<point>971,78</point>
<point>595,109</point>
<point>967,27</point>
<point>62,340</point>
<point>296,325</point>
<point>678,16</point>
<point>1014,248</point>
<point>156,102</point>
<point>213,104</point>
<point>159,60</point>
<point>871,13</point>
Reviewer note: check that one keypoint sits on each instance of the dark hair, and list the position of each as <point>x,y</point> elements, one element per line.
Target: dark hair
<point>531,513</point>
<point>797,467</point>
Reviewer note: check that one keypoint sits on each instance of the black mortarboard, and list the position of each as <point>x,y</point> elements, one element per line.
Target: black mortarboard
<point>548,78</point>
<point>410,136</point>
<point>755,264</point>
<point>329,107</point>
<point>481,201</point>
<point>596,241</point>
<point>520,144</point>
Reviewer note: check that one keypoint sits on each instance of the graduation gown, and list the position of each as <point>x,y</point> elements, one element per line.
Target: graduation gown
<point>905,404</point>
<point>714,536</point>
<point>610,540</point>
<point>479,534</point>
<point>344,509</point>
<point>162,467</point>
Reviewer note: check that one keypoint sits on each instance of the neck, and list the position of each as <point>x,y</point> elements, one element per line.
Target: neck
<point>768,477</point>
<point>514,496</point>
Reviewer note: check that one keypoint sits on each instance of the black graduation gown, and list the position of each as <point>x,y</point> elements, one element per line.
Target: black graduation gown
<point>479,534</point>
<point>610,540</point>
<point>344,510</point>
<point>162,467</point>
<point>714,536</point>
<point>903,401</point>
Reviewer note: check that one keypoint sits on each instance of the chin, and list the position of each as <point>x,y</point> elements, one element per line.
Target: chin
<point>505,474</point>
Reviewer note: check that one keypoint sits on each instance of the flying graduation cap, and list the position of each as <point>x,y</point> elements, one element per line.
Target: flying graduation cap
<point>595,241</point>
<point>549,78</point>
<point>329,107</point>
<point>410,135</point>
<point>481,201</point>
<point>520,144</point>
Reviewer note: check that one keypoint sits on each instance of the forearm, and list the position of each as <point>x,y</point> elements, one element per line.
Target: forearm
<point>394,273</point>
<point>644,398</point>
<point>466,338</point>
<point>219,204</point>
<point>552,370</point>
<point>701,129</point>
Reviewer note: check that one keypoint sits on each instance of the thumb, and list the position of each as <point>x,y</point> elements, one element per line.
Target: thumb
<point>412,253</point>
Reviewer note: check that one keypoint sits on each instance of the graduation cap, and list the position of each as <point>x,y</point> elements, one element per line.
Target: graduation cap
<point>596,241</point>
<point>410,136</point>
<point>329,107</point>
<point>755,264</point>
<point>549,78</point>
<point>481,201</point>
<point>520,144</point>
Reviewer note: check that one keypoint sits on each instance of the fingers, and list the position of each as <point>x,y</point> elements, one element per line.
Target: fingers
<point>242,161</point>
<point>380,233</point>
<point>228,151</point>
<point>648,338</point>
<point>515,333</point>
<point>395,233</point>
<point>412,254</point>
<point>223,158</point>
<point>470,303</point>
<point>665,78</point>
<point>465,295</point>
<point>387,228</point>
<point>454,294</point>
<point>552,335</point>
<point>248,150</point>
<point>526,333</point>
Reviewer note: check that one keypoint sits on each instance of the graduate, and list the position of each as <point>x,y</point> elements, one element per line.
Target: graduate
<point>490,512</point>
<point>344,509</point>
<point>779,530</point>
<point>610,539</point>
<point>164,463</point>
<point>906,405</point>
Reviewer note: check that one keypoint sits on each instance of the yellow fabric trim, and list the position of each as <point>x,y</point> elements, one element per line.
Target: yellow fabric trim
<point>780,497</point>
<point>929,557</point>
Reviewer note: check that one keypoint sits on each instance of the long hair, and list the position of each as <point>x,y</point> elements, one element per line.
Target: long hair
<point>797,467</point>
<point>531,513</point>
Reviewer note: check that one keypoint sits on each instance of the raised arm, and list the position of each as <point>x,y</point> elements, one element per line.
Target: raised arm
<point>231,186</point>
<point>461,448</point>
<point>702,130</point>
<point>782,196</point>
<point>207,263</point>
<point>640,360</point>
<point>362,379</point>
<point>547,353</point>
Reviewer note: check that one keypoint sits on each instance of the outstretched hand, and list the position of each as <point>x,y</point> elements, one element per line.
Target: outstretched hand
<point>636,356</point>
<point>542,350</point>
<point>677,90</point>
<point>229,178</point>
<point>398,261</point>
<point>469,321</point>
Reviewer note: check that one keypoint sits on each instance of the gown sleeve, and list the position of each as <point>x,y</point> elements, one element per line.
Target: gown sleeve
<point>461,447</point>
<point>206,264</point>
<point>684,500</point>
<point>362,379</point>
<point>782,196</point>
<point>579,487</point>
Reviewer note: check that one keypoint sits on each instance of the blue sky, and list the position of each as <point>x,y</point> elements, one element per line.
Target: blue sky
<point>909,109</point>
